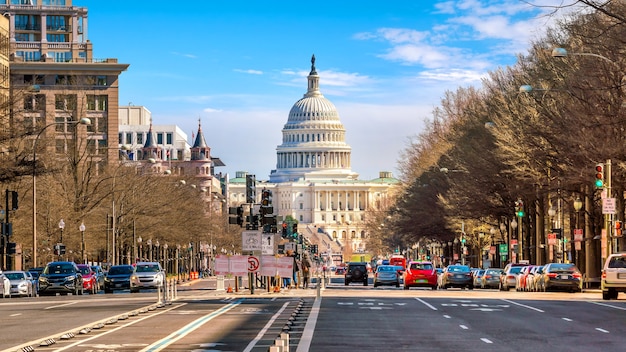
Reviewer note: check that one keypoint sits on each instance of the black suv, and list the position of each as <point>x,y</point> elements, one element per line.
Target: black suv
<point>356,272</point>
<point>61,277</point>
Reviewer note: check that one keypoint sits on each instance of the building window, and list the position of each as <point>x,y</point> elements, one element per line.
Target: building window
<point>64,80</point>
<point>139,138</point>
<point>101,81</point>
<point>129,138</point>
<point>102,146</point>
<point>34,79</point>
<point>159,138</point>
<point>34,102</point>
<point>169,138</point>
<point>65,102</point>
<point>97,102</point>
<point>301,206</point>
<point>120,138</point>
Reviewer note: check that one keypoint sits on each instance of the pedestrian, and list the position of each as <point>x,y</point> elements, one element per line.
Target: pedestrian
<point>306,270</point>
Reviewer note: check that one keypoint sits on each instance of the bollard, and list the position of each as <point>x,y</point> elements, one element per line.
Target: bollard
<point>276,349</point>
<point>280,343</point>
<point>285,337</point>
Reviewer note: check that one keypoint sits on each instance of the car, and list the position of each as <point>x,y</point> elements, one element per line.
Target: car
<point>491,278</point>
<point>530,281</point>
<point>478,277</point>
<point>90,282</point>
<point>5,286</point>
<point>147,275</point>
<point>99,275</point>
<point>456,275</point>
<point>61,277</point>
<point>613,278</point>
<point>386,275</point>
<point>35,272</point>
<point>509,278</point>
<point>21,283</point>
<point>538,279</point>
<point>340,270</point>
<point>420,274</point>
<point>118,278</point>
<point>356,272</point>
<point>520,279</point>
<point>561,276</point>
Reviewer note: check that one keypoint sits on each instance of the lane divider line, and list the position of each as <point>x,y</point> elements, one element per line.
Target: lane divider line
<point>426,303</point>
<point>309,328</point>
<point>525,306</point>
<point>259,336</point>
<point>189,328</point>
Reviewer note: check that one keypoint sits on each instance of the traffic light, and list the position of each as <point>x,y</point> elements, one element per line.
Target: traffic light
<point>599,172</point>
<point>14,200</point>
<point>519,208</point>
<point>238,218</point>
<point>313,249</point>
<point>11,248</point>
<point>266,203</point>
<point>294,230</point>
<point>284,233</point>
<point>618,229</point>
<point>250,189</point>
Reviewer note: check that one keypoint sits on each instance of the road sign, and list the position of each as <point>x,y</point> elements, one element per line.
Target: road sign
<point>578,235</point>
<point>267,244</point>
<point>552,238</point>
<point>608,206</point>
<point>253,264</point>
<point>251,240</point>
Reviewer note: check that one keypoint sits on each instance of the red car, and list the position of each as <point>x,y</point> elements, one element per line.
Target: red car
<point>420,274</point>
<point>90,282</point>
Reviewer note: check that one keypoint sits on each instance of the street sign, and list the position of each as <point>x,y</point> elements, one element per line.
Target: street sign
<point>253,264</point>
<point>578,235</point>
<point>251,240</point>
<point>552,238</point>
<point>267,244</point>
<point>608,206</point>
<point>504,249</point>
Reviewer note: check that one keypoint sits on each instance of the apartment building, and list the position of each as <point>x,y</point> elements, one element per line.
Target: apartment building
<point>56,81</point>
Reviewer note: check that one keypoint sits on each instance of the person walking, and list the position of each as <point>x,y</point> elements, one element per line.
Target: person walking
<point>306,270</point>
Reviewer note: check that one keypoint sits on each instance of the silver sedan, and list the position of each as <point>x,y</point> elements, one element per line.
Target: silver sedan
<point>21,283</point>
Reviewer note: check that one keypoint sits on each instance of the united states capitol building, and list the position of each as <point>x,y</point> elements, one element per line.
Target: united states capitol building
<point>313,181</point>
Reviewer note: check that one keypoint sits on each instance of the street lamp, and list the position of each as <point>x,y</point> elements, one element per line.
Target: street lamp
<point>513,226</point>
<point>165,257</point>
<point>578,205</point>
<point>157,256</point>
<point>140,256</point>
<point>61,227</point>
<point>83,121</point>
<point>82,236</point>
<point>149,243</point>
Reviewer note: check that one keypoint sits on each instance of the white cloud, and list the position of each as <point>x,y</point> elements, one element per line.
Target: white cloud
<point>252,72</point>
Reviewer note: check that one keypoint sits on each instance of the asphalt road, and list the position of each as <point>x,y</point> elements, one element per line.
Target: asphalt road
<point>336,318</point>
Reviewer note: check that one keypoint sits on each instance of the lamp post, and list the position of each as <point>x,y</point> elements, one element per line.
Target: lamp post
<point>165,257</point>
<point>82,240</point>
<point>140,254</point>
<point>61,227</point>
<point>513,227</point>
<point>157,257</point>
<point>578,205</point>
<point>83,121</point>
<point>149,243</point>
<point>551,214</point>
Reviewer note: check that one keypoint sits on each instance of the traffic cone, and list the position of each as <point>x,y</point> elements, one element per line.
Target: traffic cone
<point>277,288</point>
<point>230,289</point>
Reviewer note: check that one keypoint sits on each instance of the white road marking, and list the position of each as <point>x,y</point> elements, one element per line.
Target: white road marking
<point>486,340</point>
<point>463,327</point>
<point>307,335</point>
<point>447,316</point>
<point>259,336</point>
<point>567,319</point>
<point>608,305</point>
<point>426,303</point>
<point>602,330</point>
<point>525,306</point>
<point>61,305</point>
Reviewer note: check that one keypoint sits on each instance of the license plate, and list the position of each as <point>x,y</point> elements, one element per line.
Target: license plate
<point>421,281</point>
<point>459,276</point>
<point>564,277</point>
<point>118,285</point>
<point>621,275</point>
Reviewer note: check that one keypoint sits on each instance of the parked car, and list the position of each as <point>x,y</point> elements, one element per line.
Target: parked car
<point>21,283</point>
<point>99,275</point>
<point>356,272</point>
<point>340,270</point>
<point>509,277</point>
<point>118,278</point>
<point>562,276</point>
<point>35,272</point>
<point>5,286</point>
<point>147,275</point>
<point>61,277</point>
<point>491,278</point>
<point>457,276</point>
<point>420,274</point>
<point>532,278</point>
<point>520,278</point>
<point>613,278</point>
<point>386,275</point>
<point>478,277</point>
<point>90,283</point>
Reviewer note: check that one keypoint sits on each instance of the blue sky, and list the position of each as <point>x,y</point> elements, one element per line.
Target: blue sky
<point>239,66</point>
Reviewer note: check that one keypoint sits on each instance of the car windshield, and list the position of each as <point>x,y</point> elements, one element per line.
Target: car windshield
<point>59,269</point>
<point>387,268</point>
<point>563,267</point>
<point>493,272</point>
<point>617,262</point>
<point>85,270</point>
<point>14,276</point>
<point>147,269</point>
<point>421,266</point>
<point>117,270</point>
<point>516,269</point>
<point>458,269</point>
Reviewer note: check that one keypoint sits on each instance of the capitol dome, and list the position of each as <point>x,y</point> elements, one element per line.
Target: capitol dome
<point>313,144</point>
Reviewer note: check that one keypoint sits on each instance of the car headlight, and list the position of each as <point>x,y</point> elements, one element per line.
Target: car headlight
<point>43,280</point>
<point>133,277</point>
<point>70,278</point>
